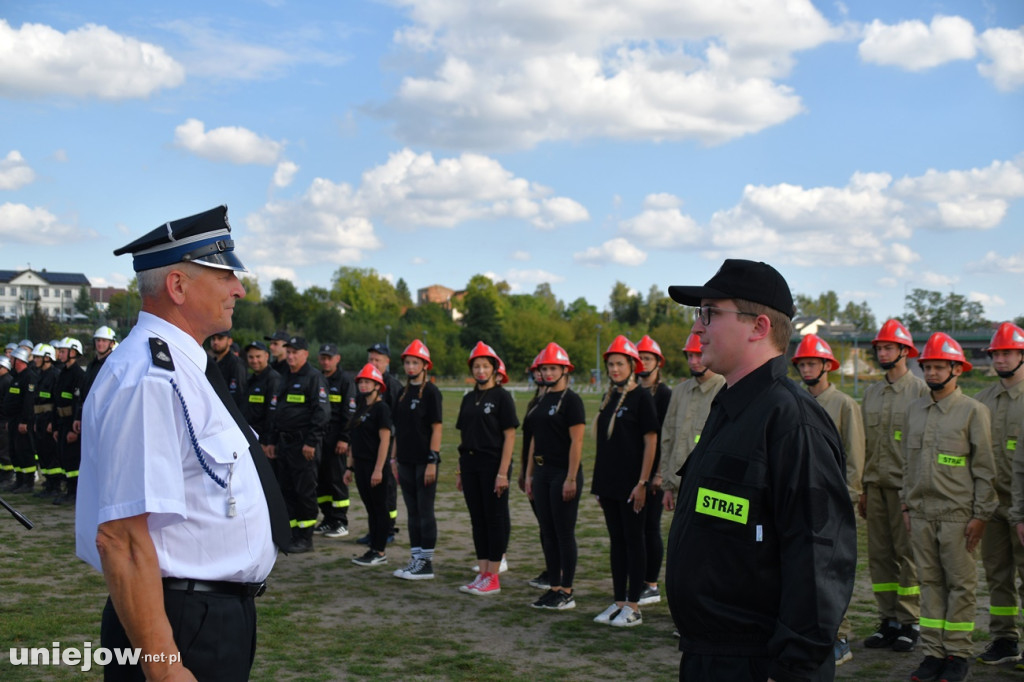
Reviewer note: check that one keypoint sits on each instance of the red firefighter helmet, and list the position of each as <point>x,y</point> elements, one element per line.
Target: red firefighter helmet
<point>1008,337</point>
<point>370,372</point>
<point>418,349</point>
<point>501,372</point>
<point>893,331</point>
<point>649,345</point>
<point>623,346</point>
<point>482,350</point>
<point>942,346</point>
<point>813,346</point>
<point>553,354</point>
<point>536,362</point>
<point>692,344</point>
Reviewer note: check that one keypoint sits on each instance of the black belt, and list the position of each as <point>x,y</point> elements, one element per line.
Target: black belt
<point>249,590</point>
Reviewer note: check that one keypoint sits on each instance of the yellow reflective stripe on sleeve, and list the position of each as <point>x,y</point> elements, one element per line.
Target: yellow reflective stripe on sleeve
<point>885,587</point>
<point>294,398</point>
<point>293,523</point>
<point>1003,610</point>
<point>335,397</point>
<point>720,505</point>
<point>71,474</point>
<point>953,460</point>
<point>936,623</point>
<point>904,591</point>
<point>254,398</point>
<point>897,435</point>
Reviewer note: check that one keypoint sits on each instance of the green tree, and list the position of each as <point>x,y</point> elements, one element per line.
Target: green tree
<point>483,318</point>
<point>930,311</point>
<point>825,306</point>
<point>284,302</point>
<point>40,327</point>
<point>370,295</point>
<point>84,304</point>
<point>252,289</point>
<point>859,315</point>
<point>625,304</point>
<point>402,290</point>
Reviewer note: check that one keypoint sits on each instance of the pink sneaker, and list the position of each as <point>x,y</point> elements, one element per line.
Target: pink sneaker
<point>471,587</point>
<point>489,585</point>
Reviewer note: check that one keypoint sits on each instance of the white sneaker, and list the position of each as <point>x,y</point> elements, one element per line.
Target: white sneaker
<point>627,618</point>
<point>400,572</point>
<point>605,617</point>
<point>501,569</point>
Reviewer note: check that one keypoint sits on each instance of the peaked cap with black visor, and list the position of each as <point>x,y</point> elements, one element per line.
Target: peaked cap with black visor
<point>743,279</point>
<point>203,239</point>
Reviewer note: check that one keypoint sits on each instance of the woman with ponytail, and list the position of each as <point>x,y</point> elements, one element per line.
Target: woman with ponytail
<point>653,360</point>
<point>487,421</point>
<point>417,419</point>
<point>627,436</point>
<point>370,439</point>
<point>554,477</point>
<point>541,581</point>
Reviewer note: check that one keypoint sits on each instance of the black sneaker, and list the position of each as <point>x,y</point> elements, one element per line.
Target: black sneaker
<point>929,670</point>
<point>883,637</point>
<point>541,582</point>
<point>561,601</point>
<point>1000,650</point>
<point>957,669</point>
<point>649,595</point>
<point>370,558</point>
<point>545,600</point>
<point>906,638</point>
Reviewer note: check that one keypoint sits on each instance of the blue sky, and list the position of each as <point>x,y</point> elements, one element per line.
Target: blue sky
<point>869,148</point>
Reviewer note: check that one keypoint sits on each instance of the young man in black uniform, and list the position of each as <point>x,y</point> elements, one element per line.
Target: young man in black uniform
<point>301,414</point>
<point>762,500</point>
<point>42,427</point>
<point>262,386</point>
<point>231,367</point>
<point>332,493</point>
<point>66,405</point>
<point>18,404</point>
<point>278,352</point>
<point>6,468</point>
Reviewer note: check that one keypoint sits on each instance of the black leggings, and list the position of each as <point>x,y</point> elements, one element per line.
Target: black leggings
<point>488,513</point>
<point>652,531</point>
<point>419,504</point>
<point>628,555</point>
<point>557,519</point>
<point>375,499</point>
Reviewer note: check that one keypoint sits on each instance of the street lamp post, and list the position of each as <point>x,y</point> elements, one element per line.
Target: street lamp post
<point>387,335</point>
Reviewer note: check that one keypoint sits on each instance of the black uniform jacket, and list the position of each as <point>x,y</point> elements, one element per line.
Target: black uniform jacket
<point>763,546</point>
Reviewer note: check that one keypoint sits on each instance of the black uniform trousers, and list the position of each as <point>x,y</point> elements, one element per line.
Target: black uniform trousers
<point>331,492</point>
<point>653,540</point>
<point>375,499</point>
<point>487,511</point>
<point>627,553</point>
<point>70,455</point>
<point>703,668</point>
<point>297,477</point>
<point>558,522</point>
<point>215,634</point>
<point>23,453</point>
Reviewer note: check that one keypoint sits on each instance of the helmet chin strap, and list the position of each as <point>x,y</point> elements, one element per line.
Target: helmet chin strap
<point>814,381</point>
<point>938,386</point>
<point>889,365</point>
<point>620,384</point>
<point>1007,375</point>
<point>698,375</point>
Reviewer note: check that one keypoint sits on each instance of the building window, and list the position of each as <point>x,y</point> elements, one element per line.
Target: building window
<point>46,293</point>
<point>1,291</point>
<point>14,291</point>
<point>67,293</point>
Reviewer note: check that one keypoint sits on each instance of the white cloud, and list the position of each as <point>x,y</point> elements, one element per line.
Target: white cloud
<point>513,75</point>
<point>616,251</point>
<point>418,260</point>
<point>938,280</point>
<point>527,280</point>
<point>993,263</point>
<point>986,300</point>
<point>268,273</point>
<point>520,255</point>
<point>665,228</point>
<point>229,143</point>
<point>974,199</point>
<point>60,156</point>
<point>1005,50</point>
<point>914,46</point>
<point>285,173</point>
<point>14,171</point>
<point>21,224</point>
<point>660,201</point>
<point>91,61</point>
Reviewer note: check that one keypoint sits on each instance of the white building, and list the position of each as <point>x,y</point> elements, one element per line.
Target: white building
<point>55,292</point>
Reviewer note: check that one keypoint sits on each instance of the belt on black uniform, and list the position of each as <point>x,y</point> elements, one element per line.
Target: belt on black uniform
<point>225,587</point>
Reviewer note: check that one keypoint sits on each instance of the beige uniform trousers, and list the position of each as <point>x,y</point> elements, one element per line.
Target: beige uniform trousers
<point>949,579</point>
<point>890,557</point>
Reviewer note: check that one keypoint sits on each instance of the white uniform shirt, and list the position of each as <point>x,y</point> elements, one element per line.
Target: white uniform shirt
<point>138,457</point>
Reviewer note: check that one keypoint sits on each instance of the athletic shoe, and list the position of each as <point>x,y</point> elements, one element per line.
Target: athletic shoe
<point>883,637</point>
<point>545,600</point>
<point>469,588</point>
<point>650,595</point>
<point>489,585</point>
<point>929,670</point>
<point>400,572</point>
<point>606,616</point>
<point>501,569</point>
<point>627,618</point>
<point>1001,650</point>
<point>906,638</point>
<point>562,601</point>
<point>841,650</point>
<point>423,570</point>
<point>335,531</point>
<point>370,558</point>
<point>541,581</point>
<point>957,669</point>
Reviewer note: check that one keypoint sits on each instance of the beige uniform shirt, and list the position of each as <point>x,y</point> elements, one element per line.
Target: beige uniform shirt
<point>949,468</point>
<point>687,411</point>
<point>845,413</point>
<point>884,408</point>
<point>1006,406</point>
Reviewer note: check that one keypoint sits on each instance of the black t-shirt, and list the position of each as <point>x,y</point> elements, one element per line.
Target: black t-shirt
<point>662,397</point>
<point>366,426</point>
<point>414,415</point>
<point>549,422</point>
<point>483,418</point>
<point>619,460</point>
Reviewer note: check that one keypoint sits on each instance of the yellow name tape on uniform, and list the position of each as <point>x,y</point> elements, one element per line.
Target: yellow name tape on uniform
<point>953,460</point>
<point>293,398</point>
<point>257,398</point>
<point>728,507</point>
<point>1011,445</point>
<point>14,389</point>
<point>335,397</point>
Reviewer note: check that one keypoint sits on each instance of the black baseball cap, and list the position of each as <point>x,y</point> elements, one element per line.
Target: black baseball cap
<point>379,348</point>
<point>298,343</point>
<point>748,280</point>
<point>329,349</point>
<point>279,335</point>
<point>258,345</point>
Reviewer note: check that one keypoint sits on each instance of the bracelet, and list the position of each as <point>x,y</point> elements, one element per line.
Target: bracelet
<point>642,483</point>
<point>503,476</point>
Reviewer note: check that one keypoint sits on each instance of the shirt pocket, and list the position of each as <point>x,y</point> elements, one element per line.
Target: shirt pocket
<point>222,453</point>
<point>726,509</point>
<point>952,451</point>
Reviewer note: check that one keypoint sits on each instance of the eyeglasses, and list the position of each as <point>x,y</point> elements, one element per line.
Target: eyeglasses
<point>704,313</point>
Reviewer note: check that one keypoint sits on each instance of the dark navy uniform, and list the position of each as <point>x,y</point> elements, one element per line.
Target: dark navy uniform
<point>332,493</point>
<point>6,468</point>
<point>67,403</point>
<point>232,368</point>
<point>46,446</point>
<point>260,390</point>
<point>18,404</point>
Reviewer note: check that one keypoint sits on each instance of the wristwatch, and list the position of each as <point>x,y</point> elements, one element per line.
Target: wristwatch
<point>434,457</point>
